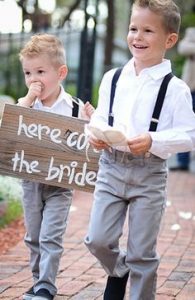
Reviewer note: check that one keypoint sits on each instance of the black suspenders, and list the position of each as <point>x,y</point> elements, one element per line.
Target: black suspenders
<point>159,102</point>
<point>75,110</point>
<point>112,94</point>
<point>158,105</point>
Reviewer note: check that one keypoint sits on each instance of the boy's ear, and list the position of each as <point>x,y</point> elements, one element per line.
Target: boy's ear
<point>63,71</point>
<point>171,40</point>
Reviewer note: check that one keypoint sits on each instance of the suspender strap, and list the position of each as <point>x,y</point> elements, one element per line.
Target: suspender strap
<point>112,94</point>
<point>158,105</point>
<point>159,102</point>
<point>75,110</point>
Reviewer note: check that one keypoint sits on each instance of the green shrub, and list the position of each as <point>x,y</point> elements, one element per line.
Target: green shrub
<point>72,90</point>
<point>11,192</point>
<point>14,211</point>
<point>177,65</point>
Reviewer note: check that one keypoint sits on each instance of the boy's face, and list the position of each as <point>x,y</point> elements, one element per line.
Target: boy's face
<point>147,38</point>
<point>40,69</point>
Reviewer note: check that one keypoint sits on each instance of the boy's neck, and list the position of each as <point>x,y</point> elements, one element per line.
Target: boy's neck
<point>139,65</point>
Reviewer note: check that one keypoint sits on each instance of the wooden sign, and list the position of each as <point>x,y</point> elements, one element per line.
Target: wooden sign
<point>46,147</point>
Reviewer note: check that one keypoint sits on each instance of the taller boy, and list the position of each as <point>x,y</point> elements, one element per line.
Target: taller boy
<point>134,177</point>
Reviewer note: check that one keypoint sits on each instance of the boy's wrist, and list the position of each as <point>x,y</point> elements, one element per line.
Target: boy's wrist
<point>26,101</point>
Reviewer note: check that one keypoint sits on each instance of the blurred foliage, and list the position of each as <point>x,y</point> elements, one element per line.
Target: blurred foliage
<point>13,76</point>
<point>71,89</point>
<point>11,193</point>
<point>13,212</point>
<point>177,64</point>
<point>188,20</point>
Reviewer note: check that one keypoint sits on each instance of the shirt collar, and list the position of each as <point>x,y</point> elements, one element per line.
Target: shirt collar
<point>63,96</point>
<point>156,72</point>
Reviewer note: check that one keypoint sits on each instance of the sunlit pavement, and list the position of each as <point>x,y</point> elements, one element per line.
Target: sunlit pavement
<point>82,278</point>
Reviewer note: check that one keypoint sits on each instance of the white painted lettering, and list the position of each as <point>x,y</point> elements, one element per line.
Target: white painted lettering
<point>21,163</point>
<point>81,178</point>
<point>91,177</point>
<point>71,141</point>
<point>82,141</point>
<point>56,172</point>
<point>55,135</point>
<point>23,126</point>
<point>73,165</point>
<point>38,130</point>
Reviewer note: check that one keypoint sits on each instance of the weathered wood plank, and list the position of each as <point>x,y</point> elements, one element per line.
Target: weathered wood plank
<point>47,148</point>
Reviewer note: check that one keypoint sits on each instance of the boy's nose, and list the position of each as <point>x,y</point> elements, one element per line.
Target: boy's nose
<point>33,78</point>
<point>138,35</point>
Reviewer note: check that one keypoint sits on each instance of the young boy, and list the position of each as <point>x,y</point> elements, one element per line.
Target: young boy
<point>133,177</point>
<point>46,207</point>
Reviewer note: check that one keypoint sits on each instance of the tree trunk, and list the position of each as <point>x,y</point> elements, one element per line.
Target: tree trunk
<point>109,39</point>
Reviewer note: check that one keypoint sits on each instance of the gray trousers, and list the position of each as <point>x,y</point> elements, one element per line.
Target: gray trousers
<point>46,210</point>
<point>136,185</point>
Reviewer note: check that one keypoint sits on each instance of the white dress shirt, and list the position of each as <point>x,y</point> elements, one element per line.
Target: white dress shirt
<point>62,106</point>
<point>134,103</point>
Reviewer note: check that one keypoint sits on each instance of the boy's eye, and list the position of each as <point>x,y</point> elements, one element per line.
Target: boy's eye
<point>27,73</point>
<point>40,71</point>
<point>133,29</point>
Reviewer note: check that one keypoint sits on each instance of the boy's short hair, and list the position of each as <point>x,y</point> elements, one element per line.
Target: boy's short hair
<point>45,44</point>
<point>167,9</point>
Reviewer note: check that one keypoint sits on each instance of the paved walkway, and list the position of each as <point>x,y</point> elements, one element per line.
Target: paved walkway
<point>82,278</point>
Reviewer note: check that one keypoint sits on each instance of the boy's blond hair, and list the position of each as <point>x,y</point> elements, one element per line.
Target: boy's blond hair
<point>45,44</point>
<point>167,9</point>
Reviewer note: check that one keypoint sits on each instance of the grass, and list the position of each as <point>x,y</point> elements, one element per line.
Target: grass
<point>11,192</point>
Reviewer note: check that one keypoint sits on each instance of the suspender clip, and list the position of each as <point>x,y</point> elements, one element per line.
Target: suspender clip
<point>155,120</point>
<point>111,115</point>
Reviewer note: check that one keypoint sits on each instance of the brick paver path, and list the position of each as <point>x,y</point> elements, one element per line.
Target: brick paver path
<point>81,277</point>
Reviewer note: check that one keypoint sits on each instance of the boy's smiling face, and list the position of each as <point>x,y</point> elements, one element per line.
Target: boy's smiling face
<point>147,38</point>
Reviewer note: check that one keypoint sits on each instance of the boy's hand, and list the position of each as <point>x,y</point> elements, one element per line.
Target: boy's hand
<point>33,93</point>
<point>140,144</point>
<point>97,144</point>
<point>87,111</point>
